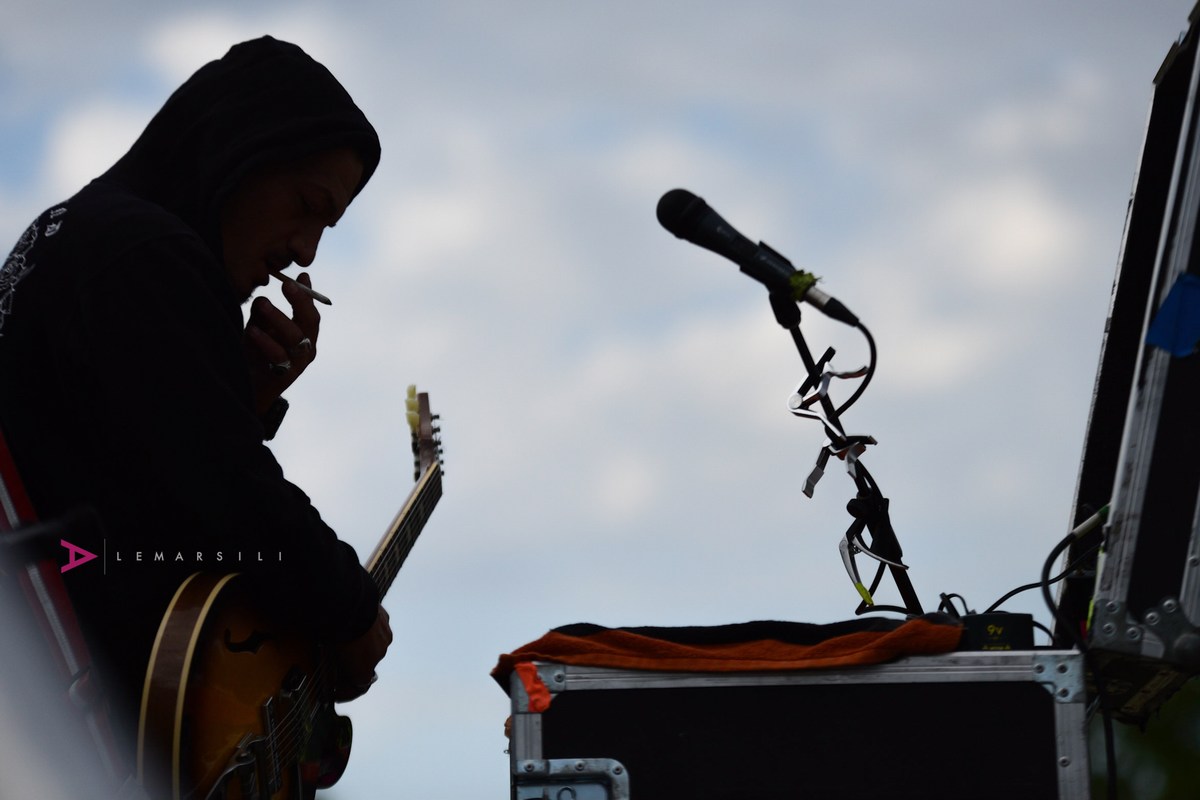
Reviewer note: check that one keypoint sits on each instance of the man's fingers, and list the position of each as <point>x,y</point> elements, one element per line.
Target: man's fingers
<point>293,335</point>
<point>385,625</point>
<point>304,310</point>
<point>271,350</point>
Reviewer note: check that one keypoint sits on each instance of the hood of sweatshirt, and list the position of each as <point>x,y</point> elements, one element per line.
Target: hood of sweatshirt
<point>265,102</point>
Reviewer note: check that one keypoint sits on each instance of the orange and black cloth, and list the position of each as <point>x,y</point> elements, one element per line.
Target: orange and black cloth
<point>741,647</point>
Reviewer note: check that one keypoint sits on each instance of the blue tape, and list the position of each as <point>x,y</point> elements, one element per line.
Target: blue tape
<point>1176,326</point>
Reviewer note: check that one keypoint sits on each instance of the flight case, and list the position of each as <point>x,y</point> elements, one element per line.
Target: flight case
<point>1144,630</point>
<point>964,724</point>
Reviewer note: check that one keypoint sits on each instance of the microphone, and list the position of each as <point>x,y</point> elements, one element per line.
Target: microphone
<point>689,217</point>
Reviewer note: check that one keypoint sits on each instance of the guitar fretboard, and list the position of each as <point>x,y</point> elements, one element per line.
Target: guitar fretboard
<point>393,549</point>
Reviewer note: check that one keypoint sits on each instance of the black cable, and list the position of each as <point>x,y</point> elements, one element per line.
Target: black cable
<point>1075,636</point>
<point>1080,643</point>
<point>862,387</point>
<point>947,605</point>
<point>1070,568</point>
<point>863,608</point>
<point>1043,628</point>
<point>1110,754</point>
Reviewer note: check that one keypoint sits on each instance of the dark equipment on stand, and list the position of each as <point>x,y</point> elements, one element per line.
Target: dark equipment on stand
<point>1136,607</point>
<point>689,217</point>
<point>1127,617</point>
<point>613,724</point>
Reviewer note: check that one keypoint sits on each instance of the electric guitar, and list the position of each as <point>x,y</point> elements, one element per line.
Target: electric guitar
<point>237,704</point>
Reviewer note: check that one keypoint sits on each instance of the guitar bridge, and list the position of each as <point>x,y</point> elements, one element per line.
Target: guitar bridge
<point>242,768</point>
<point>255,764</point>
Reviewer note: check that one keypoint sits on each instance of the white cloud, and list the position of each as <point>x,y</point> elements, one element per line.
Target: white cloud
<point>179,45</point>
<point>89,139</point>
<point>1007,234</point>
<point>1022,126</point>
<point>934,356</point>
<point>624,486</point>
<point>183,44</point>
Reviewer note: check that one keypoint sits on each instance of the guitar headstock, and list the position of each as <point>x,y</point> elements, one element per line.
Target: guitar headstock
<point>426,432</point>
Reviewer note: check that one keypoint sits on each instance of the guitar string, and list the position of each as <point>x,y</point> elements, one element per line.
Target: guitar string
<point>292,729</point>
<point>395,557</point>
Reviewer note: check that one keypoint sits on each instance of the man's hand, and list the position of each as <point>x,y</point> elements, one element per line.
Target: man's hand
<point>356,660</point>
<point>278,348</point>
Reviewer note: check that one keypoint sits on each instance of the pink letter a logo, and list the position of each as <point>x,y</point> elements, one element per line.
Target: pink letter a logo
<point>77,555</point>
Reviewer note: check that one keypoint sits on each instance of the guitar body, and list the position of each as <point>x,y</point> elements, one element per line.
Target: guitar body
<point>235,703</point>
<point>238,704</point>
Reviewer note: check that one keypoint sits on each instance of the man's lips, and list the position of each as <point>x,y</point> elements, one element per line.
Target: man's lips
<point>274,265</point>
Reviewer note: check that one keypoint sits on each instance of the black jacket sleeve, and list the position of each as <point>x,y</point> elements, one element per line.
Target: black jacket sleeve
<point>152,353</point>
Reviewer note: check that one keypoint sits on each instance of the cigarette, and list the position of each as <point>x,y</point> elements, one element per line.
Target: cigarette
<point>313,293</point>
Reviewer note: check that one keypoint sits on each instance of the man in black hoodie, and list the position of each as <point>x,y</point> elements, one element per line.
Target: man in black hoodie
<point>131,385</point>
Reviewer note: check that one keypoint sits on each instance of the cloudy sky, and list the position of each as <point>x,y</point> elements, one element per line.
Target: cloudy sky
<point>618,445</point>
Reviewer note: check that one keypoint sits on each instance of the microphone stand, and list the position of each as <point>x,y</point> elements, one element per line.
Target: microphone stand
<point>869,508</point>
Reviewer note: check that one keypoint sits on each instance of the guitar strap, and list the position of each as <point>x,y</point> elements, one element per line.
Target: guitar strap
<point>31,563</point>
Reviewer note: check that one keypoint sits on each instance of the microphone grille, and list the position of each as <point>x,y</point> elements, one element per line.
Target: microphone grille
<point>678,210</point>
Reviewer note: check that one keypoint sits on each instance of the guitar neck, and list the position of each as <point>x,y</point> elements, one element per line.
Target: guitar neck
<point>392,550</point>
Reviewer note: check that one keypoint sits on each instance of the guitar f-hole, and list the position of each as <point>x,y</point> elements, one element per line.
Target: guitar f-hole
<point>250,644</point>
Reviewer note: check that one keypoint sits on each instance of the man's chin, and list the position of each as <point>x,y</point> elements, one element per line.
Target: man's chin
<point>245,292</point>
<point>244,286</point>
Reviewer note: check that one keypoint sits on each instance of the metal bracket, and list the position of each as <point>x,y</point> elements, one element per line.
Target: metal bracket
<point>570,779</point>
<point>1062,676</point>
<point>554,676</point>
<point>1164,633</point>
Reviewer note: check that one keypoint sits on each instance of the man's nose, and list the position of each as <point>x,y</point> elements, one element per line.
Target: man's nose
<point>304,247</point>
